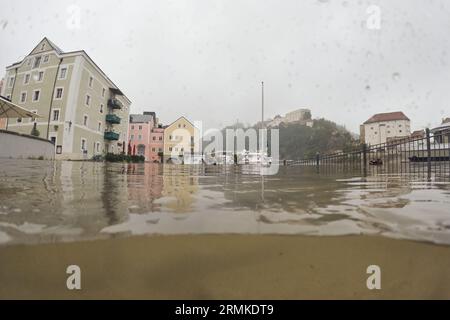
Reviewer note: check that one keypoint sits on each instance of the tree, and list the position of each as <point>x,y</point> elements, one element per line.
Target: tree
<point>35,132</point>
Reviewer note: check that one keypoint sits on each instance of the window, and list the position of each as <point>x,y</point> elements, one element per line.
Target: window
<point>153,149</point>
<point>63,73</point>
<point>99,128</point>
<point>103,92</point>
<point>46,58</point>
<point>132,137</point>
<point>59,93</point>
<point>97,147</point>
<point>140,127</point>
<point>55,115</point>
<point>23,97</point>
<point>170,149</point>
<point>43,46</point>
<point>26,79</point>
<point>132,127</point>
<point>399,125</point>
<point>101,108</point>
<point>154,138</point>
<point>19,120</point>
<point>83,144</point>
<point>40,76</point>
<point>11,82</point>
<point>37,62</point>
<point>36,95</point>
<point>179,125</point>
<point>140,137</point>
<point>88,100</point>
<point>400,131</point>
<point>160,150</point>
<point>85,120</point>
<point>170,137</point>
<point>91,81</point>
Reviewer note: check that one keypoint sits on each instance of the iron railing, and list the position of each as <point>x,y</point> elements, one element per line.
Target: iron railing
<point>425,155</point>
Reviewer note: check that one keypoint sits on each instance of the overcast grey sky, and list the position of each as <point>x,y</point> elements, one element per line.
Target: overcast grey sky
<point>205,59</point>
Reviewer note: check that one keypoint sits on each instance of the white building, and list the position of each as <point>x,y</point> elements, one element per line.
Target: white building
<point>302,116</point>
<point>384,126</point>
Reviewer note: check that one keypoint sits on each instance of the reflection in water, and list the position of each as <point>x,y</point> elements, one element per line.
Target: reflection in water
<point>67,201</point>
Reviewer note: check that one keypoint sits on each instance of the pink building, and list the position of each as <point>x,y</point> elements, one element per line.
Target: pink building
<point>146,136</point>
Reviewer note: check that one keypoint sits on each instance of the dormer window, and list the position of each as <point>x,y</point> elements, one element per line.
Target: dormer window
<point>37,62</point>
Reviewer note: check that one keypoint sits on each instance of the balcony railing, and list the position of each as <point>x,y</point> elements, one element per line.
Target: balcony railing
<point>110,135</point>
<point>114,103</point>
<point>113,119</point>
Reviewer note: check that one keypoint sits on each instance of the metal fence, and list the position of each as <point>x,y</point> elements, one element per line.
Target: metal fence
<point>426,156</point>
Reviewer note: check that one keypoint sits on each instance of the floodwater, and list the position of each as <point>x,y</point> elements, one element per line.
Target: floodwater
<point>69,201</point>
<point>194,232</point>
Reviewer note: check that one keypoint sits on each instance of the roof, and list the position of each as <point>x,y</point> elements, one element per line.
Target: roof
<point>182,117</point>
<point>141,118</point>
<point>442,127</point>
<point>389,116</point>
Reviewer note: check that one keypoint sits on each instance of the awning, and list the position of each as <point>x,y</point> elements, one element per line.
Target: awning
<point>10,110</point>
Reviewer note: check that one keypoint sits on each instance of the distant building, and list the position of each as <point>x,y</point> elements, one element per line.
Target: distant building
<point>418,134</point>
<point>2,121</point>
<point>442,132</point>
<point>83,112</point>
<point>180,138</point>
<point>301,116</point>
<point>146,136</point>
<point>382,127</point>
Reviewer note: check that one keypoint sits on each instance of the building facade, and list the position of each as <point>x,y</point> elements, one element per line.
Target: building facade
<point>180,138</point>
<point>2,120</point>
<point>383,127</point>
<point>82,111</point>
<point>146,136</point>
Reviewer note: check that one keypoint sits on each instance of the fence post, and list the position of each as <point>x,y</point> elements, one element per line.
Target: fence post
<point>317,161</point>
<point>428,153</point>
<point>364,151</point>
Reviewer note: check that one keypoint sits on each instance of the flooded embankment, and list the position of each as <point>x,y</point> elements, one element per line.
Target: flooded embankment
<point>166,231</point>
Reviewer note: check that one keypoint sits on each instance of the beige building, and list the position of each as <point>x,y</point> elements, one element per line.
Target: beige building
<point>382,127</point>
<point>301,116</point>
<point>180,138</point>
<point>83,112</point>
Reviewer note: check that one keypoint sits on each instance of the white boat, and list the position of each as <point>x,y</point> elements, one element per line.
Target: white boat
<point>220,158</point>
<point>193,159</point>
<point>254,158</point>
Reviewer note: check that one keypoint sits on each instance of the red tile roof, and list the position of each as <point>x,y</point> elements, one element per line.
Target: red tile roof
<point>389,116</point>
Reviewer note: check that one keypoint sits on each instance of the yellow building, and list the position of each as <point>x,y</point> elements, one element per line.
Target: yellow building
<point>180,138</point>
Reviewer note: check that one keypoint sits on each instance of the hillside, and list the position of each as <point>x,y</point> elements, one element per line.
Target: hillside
<point>299,141</point>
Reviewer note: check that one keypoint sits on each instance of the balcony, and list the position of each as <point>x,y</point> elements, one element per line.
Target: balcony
<point>112,136</point>
<point>112,118</point>
<point>114,104</point>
